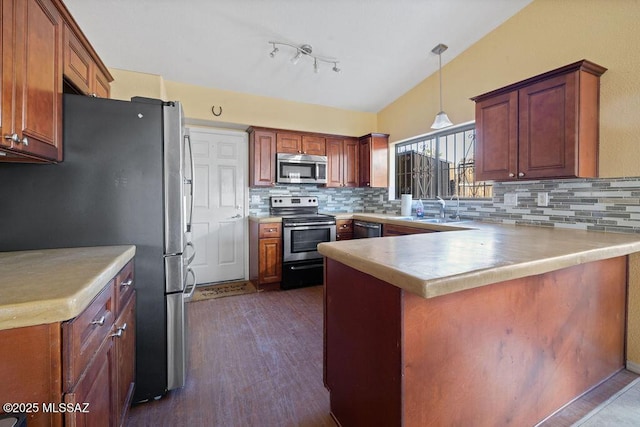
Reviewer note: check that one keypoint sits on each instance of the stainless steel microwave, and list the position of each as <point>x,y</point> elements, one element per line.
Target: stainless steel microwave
<point>301,169</point>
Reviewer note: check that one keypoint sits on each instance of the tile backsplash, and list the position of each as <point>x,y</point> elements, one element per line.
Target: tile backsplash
<point>603,204</point>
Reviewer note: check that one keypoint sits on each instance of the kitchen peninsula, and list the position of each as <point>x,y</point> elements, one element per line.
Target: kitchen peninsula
<point>67,325</point>
<point>493,325</point>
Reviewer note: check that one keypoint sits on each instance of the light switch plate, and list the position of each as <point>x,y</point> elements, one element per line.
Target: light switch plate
<point>511,199</point>
<point>543,199</point>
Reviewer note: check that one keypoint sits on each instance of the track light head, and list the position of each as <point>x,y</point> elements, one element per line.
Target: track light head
<point>305,50</point>
<point>296,58</point>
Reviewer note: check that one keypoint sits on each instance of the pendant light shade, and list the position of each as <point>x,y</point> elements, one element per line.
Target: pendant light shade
<point>442,120</point>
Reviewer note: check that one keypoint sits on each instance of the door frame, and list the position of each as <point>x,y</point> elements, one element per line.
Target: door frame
<point>245,190</point>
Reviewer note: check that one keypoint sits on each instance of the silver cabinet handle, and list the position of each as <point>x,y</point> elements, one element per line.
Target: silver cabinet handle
<point>13,137</point>
<point>511,175</point>
<point>25,141</point>
<point>99,322</point>
<point>118,333</point>
<point>236,216</point>
<point>127,283</point>
<point>521,174</point>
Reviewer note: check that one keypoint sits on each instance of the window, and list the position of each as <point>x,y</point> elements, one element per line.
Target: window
<point>439,164</point>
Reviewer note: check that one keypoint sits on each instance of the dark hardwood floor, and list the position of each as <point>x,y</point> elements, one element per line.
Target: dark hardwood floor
<point>256,360</point>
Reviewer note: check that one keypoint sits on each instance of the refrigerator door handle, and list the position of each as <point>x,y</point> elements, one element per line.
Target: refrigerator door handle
<point>193,253</point>
<point>189,294</point>
<point>190,181</point>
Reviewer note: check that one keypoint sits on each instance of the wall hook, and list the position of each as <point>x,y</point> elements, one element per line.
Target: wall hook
<point>213,110</point>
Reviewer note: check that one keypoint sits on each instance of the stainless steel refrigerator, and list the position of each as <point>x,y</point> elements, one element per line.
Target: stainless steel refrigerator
<point>126,178</point>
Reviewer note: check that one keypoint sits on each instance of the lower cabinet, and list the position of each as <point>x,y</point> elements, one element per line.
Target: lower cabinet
<point>265,254</point>
<point>344,229</point>
<point>79,372</point>
<point>107,383</point>
<point>99,356</point>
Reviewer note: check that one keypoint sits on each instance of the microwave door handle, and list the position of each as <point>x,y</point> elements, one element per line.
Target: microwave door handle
<point>190,181</point>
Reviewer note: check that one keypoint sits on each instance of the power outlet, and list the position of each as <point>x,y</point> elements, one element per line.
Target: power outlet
<point>543,199</point>
<point>511,199</point>
<point>255,199</point>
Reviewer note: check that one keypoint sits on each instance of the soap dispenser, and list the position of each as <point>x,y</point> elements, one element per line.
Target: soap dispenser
<point>419,209</point>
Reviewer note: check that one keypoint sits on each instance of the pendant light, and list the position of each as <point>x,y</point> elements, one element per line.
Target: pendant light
<point>442,120</point>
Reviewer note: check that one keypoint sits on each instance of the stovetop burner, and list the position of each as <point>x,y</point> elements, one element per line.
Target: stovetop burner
<point>298,209</point>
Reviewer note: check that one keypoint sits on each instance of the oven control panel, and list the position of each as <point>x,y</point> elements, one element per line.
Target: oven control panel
<point>293,201</point>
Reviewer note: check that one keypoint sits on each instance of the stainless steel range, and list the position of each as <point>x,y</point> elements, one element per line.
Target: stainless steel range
<point>304,228</point>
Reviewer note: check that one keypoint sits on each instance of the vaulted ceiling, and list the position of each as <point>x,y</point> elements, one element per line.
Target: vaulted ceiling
<point>383,46</point>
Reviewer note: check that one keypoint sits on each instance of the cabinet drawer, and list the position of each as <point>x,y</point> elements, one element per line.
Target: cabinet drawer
<point>82,336</point>
<point>344,226</point>
<point>270,230</point>
<point>123,287</point>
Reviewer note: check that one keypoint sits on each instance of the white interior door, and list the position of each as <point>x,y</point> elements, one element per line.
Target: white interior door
<point>219,217</point>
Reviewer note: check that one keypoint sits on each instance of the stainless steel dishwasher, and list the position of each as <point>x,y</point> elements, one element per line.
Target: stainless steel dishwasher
<point>364,229</point>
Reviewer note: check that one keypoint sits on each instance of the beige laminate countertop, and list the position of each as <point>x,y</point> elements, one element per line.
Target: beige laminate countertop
<point>435,264</point>
<point>54,285</point>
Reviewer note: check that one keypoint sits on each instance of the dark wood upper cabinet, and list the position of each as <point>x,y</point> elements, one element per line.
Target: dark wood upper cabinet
<point>299,143</point>
<point>342,162</point>
<point>31,81</point>
<point>373,160</point>
<point>344,159</point>
<point>543,127</point>
<point>262,155</point>
<point>313,145</point>
<point>32,68</point>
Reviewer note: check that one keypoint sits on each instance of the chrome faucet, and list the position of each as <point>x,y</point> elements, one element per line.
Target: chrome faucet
<point>443,204</point>
<point>457,217</point>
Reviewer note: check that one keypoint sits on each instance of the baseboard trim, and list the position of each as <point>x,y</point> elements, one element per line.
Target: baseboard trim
<point>633,367</point>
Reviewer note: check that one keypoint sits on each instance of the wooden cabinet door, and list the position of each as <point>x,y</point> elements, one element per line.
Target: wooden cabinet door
<point>100,86</point>
<point>547,134</point>
<point>126,357</point>
<point>350,163</point>
<point>77,62</point>
<point>262,155</point>
<point>373,158</point>
<point>344,229</point>
<point>38,79</point>
<point>95,387</point>
<point>289,143</point>
<point>496,155</point>
<point>6,72</point>
<point>335,162</point>
<point>364,162</point>
<point>313,145</point>
<point>80,69</point>
<point>270,260</point>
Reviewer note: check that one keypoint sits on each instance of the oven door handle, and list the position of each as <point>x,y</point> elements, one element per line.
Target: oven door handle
<point>305,267</point>
<point>308,225</point>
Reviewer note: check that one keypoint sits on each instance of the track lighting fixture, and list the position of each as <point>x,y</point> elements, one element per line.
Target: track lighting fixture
<point>442,120</point>
<point>305,50</point>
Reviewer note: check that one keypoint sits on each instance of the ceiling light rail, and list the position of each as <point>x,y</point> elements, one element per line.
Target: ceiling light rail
<point>305,50</point>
